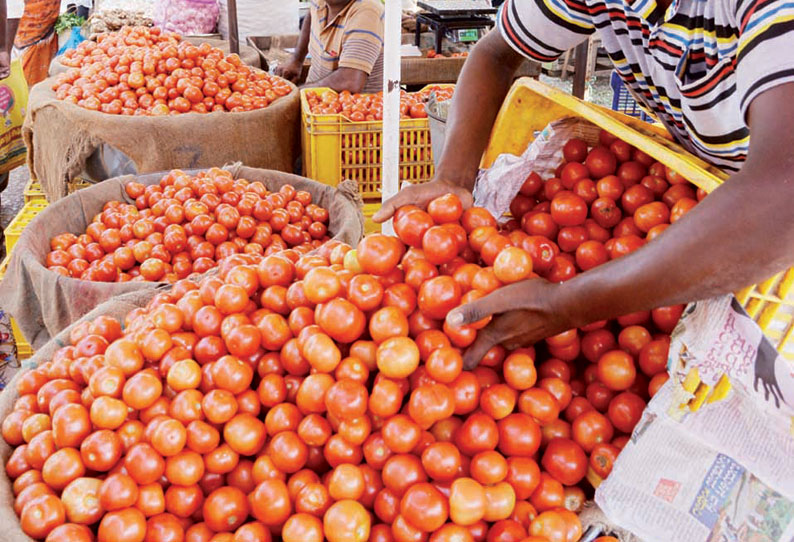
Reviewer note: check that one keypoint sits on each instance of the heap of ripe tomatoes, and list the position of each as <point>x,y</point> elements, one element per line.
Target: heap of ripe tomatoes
<point>603,203</point>
<point>143,71</point>
<point>184,225</point>
<point>369,107</point>
<point>323,397</point>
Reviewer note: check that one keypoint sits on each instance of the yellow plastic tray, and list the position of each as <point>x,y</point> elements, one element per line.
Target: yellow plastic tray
<point>20,222</point>
<point>336,148</point>
<point>33,192</point>
<point>24,350</point>
<point>531,106</point>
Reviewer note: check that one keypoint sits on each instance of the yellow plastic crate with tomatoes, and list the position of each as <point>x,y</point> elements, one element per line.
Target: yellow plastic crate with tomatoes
<point>532,105</point>
<point>341,138</point>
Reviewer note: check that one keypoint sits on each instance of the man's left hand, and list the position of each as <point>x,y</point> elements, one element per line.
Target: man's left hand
<point>523,314</point>
<point>5,64</point>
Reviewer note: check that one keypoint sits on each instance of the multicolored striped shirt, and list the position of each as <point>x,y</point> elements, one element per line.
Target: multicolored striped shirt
<point>697,65</point>
<point>352,39</point>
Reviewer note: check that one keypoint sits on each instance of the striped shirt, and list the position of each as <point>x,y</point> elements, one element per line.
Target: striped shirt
<point>353,39</point>
<point>696,65</point>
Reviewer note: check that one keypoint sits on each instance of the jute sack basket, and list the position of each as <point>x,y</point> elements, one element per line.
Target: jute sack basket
<point>43,302</point>
<point>61,137</point>
<point>118,308</point>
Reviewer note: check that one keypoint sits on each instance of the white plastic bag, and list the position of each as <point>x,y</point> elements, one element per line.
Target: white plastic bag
<point>498,185</point>
<point>187,17</point>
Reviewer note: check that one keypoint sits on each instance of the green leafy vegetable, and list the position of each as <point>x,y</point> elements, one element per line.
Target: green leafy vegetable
<point>67,21</point>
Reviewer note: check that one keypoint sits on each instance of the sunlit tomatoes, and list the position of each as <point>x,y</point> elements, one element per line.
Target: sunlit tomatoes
<point>186,225</point>
<point>369,107</point>
<point>145,71</point>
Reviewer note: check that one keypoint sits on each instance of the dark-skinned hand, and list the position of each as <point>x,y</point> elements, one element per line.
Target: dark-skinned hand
<point>420,195</point>
<point>523,314</point>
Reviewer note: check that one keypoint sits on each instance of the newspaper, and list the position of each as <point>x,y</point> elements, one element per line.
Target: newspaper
<point>498,185</point>
<point>712,460</point>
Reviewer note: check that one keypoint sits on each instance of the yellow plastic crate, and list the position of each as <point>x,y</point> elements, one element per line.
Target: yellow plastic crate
<point>33,192</point>
<point>369,210</point>
<point>532,105</point>
<point>77,184</point>
<point>23,218</point>
<point>336,148</point>
<point>24,350</point>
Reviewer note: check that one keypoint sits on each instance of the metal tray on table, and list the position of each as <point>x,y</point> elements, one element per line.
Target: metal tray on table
<point>457,8</point>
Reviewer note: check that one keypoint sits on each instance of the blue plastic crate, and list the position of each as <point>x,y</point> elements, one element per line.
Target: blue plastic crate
<point>623,101</point>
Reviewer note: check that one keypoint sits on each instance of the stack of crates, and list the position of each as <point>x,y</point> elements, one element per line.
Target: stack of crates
<point>33,192</point>
<point>14,230</point>
<point>336,148</point>
<point>20,222</point>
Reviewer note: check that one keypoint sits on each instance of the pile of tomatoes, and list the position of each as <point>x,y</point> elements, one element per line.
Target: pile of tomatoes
<point>322,396</point>
<point>315,397</point>
<point>369,107</point>
<point>143,71</point>
<point>185,225</point>
<point>603,203</point>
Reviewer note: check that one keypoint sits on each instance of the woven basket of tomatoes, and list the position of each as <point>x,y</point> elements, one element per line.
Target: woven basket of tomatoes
<point>322,397</point>
<point>134,233</point>
<point>162,103</point>
<point>341,134</point>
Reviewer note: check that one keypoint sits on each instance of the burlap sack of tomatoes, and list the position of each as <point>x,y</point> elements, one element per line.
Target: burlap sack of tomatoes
<point>118,309</point>
<point>180,105</point>
<point>44,302</point>
<point>711,458</point>
<point>248,55</point>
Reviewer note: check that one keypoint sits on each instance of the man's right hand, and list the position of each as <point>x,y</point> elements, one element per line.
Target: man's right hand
<point>420,195</point>
<point>291,71</point>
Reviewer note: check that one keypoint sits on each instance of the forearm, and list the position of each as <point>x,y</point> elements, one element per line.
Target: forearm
<point>739,235</point>
<point>341,79</point>
<point>302,48</point>
<point>481,90</point>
